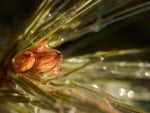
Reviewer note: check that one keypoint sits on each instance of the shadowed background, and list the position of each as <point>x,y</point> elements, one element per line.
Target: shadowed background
<point>129,33</point>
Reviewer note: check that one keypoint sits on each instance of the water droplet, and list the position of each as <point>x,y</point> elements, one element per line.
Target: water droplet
<point>147,74</point>
<point>102,58</point>
<point>50,15</point>
<point>15,94</point>
<point>62,39</point>
<point>72,110</point>
<point>67,82</point>
<point>77,60</point>
<point>122,92</point>
<point>104,68</point>
<point>130,94</point>
<point>95,86</point>
<point>141,64</point>
<point>31,31</point>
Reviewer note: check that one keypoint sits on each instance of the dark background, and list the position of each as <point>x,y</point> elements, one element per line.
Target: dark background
<point>133,32</point>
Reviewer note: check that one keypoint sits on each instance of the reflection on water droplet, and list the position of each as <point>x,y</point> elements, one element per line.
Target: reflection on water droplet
<point>15,94</point>
<point>130,94</point>
<point>104,68</point>
<point>141,64</point>
<point>67,82</point>
<point>62,39</point>
<point>122,92</point>
<point>49,15</point>
<point>95,86</point>
<point>102,58</point>
<point>31,31</point>
<point>122,63</point>
<point>77,60</point>
<point>72,110</point>
<point>147,74</point>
